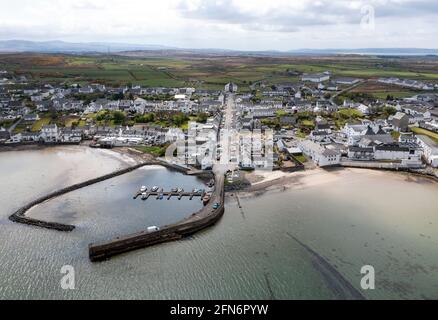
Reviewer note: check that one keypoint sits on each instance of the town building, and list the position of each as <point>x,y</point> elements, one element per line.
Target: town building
<point>320,155</point>
<point>50,133</point>
<point>400,122</point>
<point>430,150</point>
<point>231,88</point>
<point>316,78</point>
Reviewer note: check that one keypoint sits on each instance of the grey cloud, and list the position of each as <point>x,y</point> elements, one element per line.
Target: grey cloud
<point>315,13</point>
<point>411,8</point>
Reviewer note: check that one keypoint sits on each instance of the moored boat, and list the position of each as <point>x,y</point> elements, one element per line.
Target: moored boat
<point>206,199</point>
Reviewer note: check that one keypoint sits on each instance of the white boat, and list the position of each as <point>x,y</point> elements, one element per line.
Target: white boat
<point>153,229</point>
<point>143,189</point>
<point>180,190</point>
<point>144,196</point>
<point>155,189</point>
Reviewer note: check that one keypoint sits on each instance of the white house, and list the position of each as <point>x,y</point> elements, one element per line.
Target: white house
<point>50,133</point>
<point>354,132</point>
<point>321,156</point>
<point>363,108</point>
<point>71,135</point>
<point>316,78</point>
<point>396,152</point>
<point>347,81</point>
<point>430,150</point>
<point>231,87</point>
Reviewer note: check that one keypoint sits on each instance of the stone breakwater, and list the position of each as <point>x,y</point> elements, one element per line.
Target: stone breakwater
<point>20,215</point>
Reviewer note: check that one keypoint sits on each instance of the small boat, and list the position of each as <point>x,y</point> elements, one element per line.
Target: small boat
<point>155,189</point>
<point>153,229</point>
<point>144,196</point>
<point>216,206</point>
<point>206,199</point>
<point>180,190</point>
<point>160,197</point>
<point>174,190</point>
<point>143,189</point>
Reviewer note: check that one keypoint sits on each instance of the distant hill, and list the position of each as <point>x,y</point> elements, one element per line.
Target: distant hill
<point>370,51</point>
<point>68,47</point>
<point>103,47</point>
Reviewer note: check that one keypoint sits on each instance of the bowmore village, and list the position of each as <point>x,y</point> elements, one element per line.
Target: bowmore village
<point>312,124</point>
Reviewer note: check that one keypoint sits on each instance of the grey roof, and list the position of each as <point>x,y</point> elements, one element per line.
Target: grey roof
<point>322,126</point>
<point>359,149</point>
<point>4,134</point>
<point>399,115</point>
<point>383,138</point>
<point>319,133</point>
<point>370,131</point>
<point>329,152</point>
<point>393,147</point>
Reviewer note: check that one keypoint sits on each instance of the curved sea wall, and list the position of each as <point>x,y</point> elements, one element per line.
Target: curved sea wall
<point>20,215</point>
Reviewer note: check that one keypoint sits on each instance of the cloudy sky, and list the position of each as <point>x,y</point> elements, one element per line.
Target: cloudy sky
<point>227,24</point>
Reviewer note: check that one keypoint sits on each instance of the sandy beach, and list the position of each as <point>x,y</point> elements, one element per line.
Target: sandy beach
<point>263,181</point>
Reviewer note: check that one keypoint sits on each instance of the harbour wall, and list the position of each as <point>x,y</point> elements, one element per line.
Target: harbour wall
<point>19,216</point>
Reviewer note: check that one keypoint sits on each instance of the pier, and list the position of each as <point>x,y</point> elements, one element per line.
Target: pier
<point>168,194</point>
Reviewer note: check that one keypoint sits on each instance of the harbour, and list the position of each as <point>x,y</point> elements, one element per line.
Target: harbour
<point>245,252</point>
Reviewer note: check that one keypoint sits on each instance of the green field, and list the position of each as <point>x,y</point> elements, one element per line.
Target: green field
<point>155,151</point>
<point>40,123</point>
<point>430,134</point>
<point>210,72</point>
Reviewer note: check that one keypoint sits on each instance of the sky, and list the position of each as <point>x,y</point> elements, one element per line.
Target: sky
<point>227,24</point>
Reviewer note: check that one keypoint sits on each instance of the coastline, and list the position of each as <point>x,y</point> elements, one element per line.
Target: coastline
<point>272,181</point>
<point>23,147</point>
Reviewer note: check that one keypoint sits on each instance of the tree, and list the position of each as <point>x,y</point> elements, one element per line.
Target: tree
<point>389,111</point>
<point>202,117</point>
<point>119,117</point>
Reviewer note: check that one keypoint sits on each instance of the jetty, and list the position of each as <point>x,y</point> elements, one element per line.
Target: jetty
<point>169,194</point>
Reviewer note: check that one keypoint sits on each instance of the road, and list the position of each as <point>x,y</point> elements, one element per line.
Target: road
<point>228,141</point>
<point>12,128</point>
<point>346,90</point>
